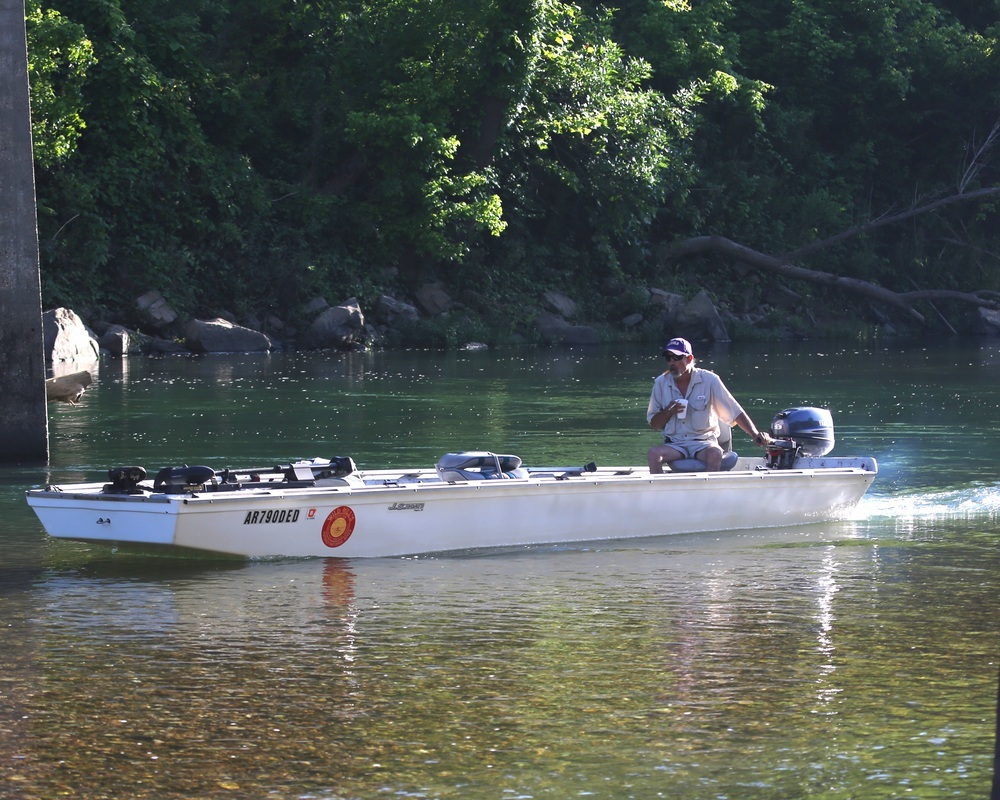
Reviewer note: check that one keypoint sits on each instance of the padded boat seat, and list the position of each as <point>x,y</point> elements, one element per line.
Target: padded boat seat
<point>477,465</point>
<point>728,456</point>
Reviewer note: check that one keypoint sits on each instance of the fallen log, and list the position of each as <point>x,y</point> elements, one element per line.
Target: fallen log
<point>754,258</point>
<point>67,388</point>
<point>786,264</point>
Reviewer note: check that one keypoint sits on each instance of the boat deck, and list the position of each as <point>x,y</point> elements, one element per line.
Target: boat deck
<point>308,478</point>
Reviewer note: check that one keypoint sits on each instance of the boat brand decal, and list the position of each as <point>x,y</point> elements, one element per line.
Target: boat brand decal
<point>312,513</point>
<point>338,526</point>
<point>274,515</point>
<point>406,507</point>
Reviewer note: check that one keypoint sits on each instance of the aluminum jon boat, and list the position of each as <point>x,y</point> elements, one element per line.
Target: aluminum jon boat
<point>469,500</point>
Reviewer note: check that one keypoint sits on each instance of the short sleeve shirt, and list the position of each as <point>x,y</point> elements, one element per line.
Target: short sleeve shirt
<point>709,402</point>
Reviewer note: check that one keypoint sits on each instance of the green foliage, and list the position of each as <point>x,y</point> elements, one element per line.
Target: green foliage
<point>871,108</point>
<point>251,156</point>
<point>592,151</point>
<point>61,56</point>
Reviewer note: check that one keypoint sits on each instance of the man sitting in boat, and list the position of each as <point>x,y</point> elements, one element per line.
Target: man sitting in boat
<point>689,405</point>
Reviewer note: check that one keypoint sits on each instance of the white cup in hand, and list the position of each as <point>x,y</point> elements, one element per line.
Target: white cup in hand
<point>682,412</point>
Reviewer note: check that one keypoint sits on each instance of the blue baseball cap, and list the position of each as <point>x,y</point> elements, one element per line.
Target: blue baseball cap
<point>681,347</point>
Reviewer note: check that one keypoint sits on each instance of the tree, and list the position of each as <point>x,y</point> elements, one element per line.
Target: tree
<point>872,111</point>
<point>249,157</point>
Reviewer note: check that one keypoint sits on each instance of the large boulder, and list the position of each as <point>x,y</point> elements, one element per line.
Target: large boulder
<point>553,329</point>
<point>700,320</point>
<point>989,321</point>
<point>433,299</point>
<point>664,309</point>
<point>341,327</point>
<point>221,336</point>
<point>392,312</point>
<point>315,306</point>
<point>669,304</point>
<point>120,341</point>
<point>560,304</point>
<point>154,311</point>
<point>65,338</point>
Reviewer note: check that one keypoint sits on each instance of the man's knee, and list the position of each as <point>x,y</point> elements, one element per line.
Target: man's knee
<point>660,454</point>
<point>712,456</point>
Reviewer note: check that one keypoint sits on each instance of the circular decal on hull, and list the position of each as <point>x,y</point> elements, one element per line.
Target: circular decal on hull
<point>338,526</point>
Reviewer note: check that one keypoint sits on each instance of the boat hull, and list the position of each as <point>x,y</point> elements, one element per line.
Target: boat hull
<point>397,514</point>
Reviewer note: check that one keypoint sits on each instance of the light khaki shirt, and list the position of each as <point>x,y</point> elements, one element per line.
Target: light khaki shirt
<point>710,404</point>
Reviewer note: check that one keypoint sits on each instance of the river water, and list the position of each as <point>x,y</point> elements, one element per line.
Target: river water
<point>850,660</point>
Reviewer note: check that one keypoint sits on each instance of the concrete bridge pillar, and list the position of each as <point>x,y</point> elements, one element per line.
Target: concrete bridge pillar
<point>24,431</point>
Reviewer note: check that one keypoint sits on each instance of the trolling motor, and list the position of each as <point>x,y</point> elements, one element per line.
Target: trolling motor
<point>799,432</point>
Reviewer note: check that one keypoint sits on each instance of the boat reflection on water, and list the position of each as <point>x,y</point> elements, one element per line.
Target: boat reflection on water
<point>147,594</point>
<point>494,670</point>
<point>338,583</point>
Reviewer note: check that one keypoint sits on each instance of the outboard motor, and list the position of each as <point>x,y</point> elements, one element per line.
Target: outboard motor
<point>781,453</point>
<point>799,431</point>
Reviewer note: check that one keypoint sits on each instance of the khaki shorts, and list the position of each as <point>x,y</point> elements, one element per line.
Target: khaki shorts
<point>688,448</point>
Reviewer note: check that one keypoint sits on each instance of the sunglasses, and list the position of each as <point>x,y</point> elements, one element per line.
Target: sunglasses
<point>674,357</point>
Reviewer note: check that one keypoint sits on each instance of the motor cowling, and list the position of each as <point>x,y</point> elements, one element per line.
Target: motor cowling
<point>811,430</point>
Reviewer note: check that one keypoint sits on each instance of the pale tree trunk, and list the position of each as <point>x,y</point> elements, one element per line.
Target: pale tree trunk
<point>23,416</point>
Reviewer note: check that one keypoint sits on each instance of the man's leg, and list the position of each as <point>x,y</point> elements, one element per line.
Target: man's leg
<point>664,454</point>
<point>711,457</point>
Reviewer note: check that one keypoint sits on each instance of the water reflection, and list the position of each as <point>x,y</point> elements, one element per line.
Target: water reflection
<point>826,590</point>
<point>586,668</point>
<point>837,661</point>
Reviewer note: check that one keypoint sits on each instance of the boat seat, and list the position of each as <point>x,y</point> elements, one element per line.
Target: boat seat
<point>478,465</point>
<point>729,458</point>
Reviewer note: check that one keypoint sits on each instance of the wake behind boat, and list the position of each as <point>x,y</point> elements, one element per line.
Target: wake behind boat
<point>469,500</point>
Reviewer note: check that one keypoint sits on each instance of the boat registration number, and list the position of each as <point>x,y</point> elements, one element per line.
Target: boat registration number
<point>271,515</point>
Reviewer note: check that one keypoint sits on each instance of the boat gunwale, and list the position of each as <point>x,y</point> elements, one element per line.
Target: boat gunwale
<point>605,477</point>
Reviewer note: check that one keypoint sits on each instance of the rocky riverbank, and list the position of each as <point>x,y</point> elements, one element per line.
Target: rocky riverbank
<point>152,326</point>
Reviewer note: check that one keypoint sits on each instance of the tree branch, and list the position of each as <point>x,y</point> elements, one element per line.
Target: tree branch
<point>880,222</point>
<point>738,252</point>
<point>782,265</point>
<point>720,245</point>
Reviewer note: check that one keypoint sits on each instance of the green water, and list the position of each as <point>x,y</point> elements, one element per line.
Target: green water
<point>849,660</point>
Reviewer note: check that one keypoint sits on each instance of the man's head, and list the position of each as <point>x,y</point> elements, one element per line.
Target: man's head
<point>677,347</point>
<point>678,354</point>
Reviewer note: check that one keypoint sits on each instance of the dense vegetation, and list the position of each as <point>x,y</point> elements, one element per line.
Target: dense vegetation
<point>249,156</point>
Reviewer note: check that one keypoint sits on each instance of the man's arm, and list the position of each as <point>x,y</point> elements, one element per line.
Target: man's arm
<point>657,415</point>
<point>662,417</point>
<point>747,426</point>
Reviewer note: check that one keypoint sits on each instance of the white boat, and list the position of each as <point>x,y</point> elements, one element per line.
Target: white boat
<point>470,500</point>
